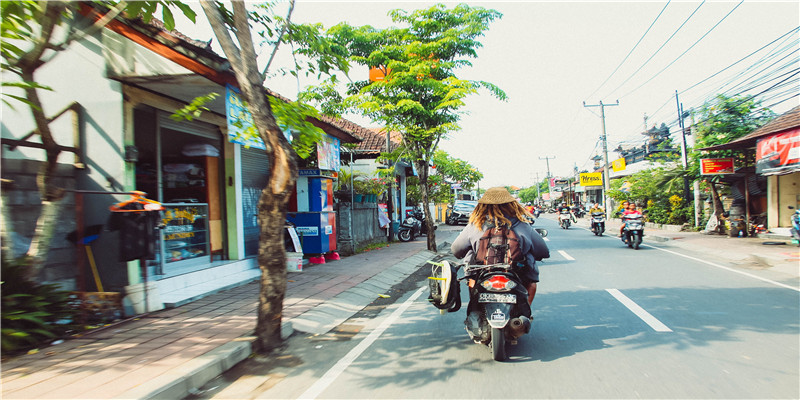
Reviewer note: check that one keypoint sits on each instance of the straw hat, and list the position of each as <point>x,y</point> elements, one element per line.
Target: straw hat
<point>497,195</point>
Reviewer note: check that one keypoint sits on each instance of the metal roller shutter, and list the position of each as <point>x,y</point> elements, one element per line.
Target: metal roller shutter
<point>254,178</point>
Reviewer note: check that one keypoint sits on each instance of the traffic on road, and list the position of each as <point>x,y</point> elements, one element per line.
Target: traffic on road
<point>608,322</point>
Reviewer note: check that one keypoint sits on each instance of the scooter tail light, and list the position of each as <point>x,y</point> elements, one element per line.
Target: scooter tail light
<point>498,283</point>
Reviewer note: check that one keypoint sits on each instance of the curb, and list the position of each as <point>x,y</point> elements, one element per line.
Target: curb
<point>184,379</point>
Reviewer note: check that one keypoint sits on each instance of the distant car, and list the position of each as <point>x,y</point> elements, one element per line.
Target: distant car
<point>460,211</point>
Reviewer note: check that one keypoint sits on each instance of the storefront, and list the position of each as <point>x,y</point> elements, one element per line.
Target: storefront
<point>180,165</point>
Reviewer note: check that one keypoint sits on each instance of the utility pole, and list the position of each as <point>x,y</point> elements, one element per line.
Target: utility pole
<point>683,147</point>
<point>389,202</point>
<point>605,152</point>
<point>538,194</point>
<point>549,188</point>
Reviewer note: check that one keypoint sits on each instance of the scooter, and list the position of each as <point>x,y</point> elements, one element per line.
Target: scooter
<point>412,226</point>
<point>565,220</point>
<point>634,230</point>
<point>795,230</point>
<point>498,312</point>
<point>598,223</point>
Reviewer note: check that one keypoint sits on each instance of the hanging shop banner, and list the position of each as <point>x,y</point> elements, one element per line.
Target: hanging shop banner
<point>328,153</point>
<point>240,121</point>
<point>591,179</point>
<point>716,166</point>
<point>778,154</point>
<point>618,164</point>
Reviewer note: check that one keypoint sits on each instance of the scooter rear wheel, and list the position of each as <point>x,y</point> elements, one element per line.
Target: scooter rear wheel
<point>405,235</point>
<point>498,344</point>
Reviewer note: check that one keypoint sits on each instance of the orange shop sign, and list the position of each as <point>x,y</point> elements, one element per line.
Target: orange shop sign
<point>716,166</point>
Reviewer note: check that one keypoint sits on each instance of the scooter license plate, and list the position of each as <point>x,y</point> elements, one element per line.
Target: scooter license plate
<point>497,298</point>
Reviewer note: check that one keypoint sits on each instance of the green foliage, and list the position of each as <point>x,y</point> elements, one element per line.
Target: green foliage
<point>456,170</point>
<point>723,120</point>
<point>195,108</point>
<point>439,191</point>
<point>30,311</point>
<point>658,191</point>
<point>420,96</point>
<point>528,195</point>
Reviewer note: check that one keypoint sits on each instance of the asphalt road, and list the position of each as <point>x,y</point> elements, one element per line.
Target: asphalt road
<point>610,322</point>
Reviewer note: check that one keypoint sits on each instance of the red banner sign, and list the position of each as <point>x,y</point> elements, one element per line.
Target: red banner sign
<point>778,154</point>
<point>716,166</point>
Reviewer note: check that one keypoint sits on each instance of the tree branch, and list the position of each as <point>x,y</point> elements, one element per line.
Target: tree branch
<point>280,39</point>
<point>222,34</point>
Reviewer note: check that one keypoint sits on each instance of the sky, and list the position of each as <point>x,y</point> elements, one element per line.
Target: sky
<point>556,59</point>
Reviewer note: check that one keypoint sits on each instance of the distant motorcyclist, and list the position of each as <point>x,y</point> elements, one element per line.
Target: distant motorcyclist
<point>630,212</point>
<point>596,209</point>
<point>565,209</point>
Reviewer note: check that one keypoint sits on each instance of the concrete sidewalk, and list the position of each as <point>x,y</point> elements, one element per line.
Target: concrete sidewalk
<point>166,354</point>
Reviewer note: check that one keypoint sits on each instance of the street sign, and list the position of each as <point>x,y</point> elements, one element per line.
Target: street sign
<point>591,179</point>
<point>716,166</point>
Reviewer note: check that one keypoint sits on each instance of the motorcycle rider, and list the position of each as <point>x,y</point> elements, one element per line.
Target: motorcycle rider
<point>631,211</point>
<point>497,208</point>
<point>596,209</point>
<point>625,206</point>
<point>564,208</point>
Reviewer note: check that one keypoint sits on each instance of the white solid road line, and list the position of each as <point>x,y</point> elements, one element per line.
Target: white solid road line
<point>333,373</point>
<point>639,311</point>
<point>565,255</point>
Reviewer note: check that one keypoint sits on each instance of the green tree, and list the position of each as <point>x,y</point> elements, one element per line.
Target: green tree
<point>456,170</point>
<point>233,31</point>
<point>720,121</point>
<point>421,96</point>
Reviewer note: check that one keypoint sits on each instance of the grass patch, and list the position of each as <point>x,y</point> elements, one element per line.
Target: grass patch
<point>372,246</point>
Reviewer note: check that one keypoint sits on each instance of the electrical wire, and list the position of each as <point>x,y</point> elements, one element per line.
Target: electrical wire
<point>658,50</point>
<point>631,52</point>
<point>740,60</point>
<point>685,51</point>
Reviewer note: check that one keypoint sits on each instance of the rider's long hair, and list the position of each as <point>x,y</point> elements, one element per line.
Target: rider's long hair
<point>496,214</point>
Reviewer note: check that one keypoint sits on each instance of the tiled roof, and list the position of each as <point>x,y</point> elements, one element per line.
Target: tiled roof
<point>156,26</point>
<point>374,141</point>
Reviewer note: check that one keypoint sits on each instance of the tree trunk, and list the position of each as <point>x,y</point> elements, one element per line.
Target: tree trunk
<point>272,204</point>
<point>422,168</point>
<point>51,194</point>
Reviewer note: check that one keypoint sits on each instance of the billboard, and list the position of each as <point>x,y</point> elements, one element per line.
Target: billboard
<point>716,166</point>
<point>591,179</point>
<point>618,164</point>
<point>779,153</point>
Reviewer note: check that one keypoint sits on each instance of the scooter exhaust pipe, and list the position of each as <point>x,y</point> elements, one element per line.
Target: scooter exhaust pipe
<point>519,326</point>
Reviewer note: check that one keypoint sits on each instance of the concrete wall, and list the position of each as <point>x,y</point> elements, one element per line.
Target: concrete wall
<point>364,229</point>
<point>77,74</point>
<point>24,203</point>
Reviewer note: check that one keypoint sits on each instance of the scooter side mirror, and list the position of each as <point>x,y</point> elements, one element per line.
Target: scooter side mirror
<point>541,231</point>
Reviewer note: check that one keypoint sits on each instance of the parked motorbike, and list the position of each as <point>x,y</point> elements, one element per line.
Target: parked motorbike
<point>795,230</point>
<point>634,230</point>
<point>413,226</point>
<point>565,220</point>
<point>598,223</point>
<point>579,212</point>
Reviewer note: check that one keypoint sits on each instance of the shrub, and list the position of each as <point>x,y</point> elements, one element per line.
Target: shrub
<point>32,313</point>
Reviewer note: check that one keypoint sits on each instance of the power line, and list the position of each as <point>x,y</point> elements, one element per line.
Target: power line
<point>631,52</point>
<point>659,49</point>
<point>740,60</point>
<point>685,51</point>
